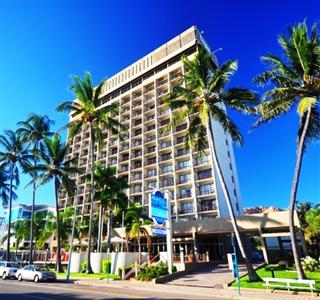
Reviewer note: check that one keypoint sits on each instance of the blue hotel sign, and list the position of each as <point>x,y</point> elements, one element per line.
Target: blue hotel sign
<point>158,209</point>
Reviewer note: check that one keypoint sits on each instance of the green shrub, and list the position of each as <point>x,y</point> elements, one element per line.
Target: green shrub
<point>83,266</point>
<point>148,273</point>
<point>310,264</point>
<point>106,266</point>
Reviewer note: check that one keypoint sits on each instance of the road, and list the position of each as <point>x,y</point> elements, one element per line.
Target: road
<point>12,289</point>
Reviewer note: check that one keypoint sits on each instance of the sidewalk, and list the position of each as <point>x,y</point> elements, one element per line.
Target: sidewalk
<point>209,293</point>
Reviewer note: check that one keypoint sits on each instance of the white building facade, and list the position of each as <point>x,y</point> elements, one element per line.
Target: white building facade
<point>148,157</point>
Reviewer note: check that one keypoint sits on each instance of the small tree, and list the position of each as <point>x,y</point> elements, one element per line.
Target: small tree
<point>136,228</point>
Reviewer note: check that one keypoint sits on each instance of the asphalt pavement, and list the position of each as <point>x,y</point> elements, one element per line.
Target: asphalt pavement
<point>13,289</point>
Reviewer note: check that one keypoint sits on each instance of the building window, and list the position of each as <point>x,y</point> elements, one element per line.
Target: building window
<point>186,208</point>
<point>151,127</point>
<point>167,182</point>
<point>151,149</point>
<point>138,131</point>
<point>206,189</point>
<point>184,178</point>
<point>183,164</point>
<point>152,184</point>
<point>152,160</point>
<point>182,152</point>
<point>152,173</point>
<point>167,169</point>
<point>184,193</point>
<point>204,174</point>
<point>207,205</point>
<point>165,156</point>
<point>164,122</point>
<point>181,139</point>
<point>137,153</point>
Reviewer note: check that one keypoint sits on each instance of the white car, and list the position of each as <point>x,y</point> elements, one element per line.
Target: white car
<point>8,269</point>
<point>35,273</point>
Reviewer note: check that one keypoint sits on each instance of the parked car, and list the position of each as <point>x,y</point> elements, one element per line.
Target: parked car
<point>8,269</point>
<point>35,273</point>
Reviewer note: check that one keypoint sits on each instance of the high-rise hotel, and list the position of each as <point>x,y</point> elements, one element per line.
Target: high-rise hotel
<point>147,156</point>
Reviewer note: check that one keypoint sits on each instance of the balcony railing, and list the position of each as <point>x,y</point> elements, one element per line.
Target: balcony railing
<point>162,82</point>
<point>208,207</point>
<point>160,93</point>
<point>149,89</point>
<point>206,192</point>
<point>180,181</point>
<point>204,175</point>
<point>184,195</point>
<point>186,211</point>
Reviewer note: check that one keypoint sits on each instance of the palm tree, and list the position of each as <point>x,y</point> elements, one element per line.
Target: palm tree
<point>87,110</point>
<point>54,167</point>
<point>136,228</point>
<point>12,156</point>
<point>202,100</point>
<point>33,130</point>
<point>295,84</point>
<point>110,193</point>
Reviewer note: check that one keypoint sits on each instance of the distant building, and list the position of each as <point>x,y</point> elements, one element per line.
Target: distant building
<point>20,212</point>
<point>260,209</point>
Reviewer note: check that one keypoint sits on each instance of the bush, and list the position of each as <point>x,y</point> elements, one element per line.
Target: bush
<point>106,266</point>
<point>83,266</point>
<point>148,273</point>
<point>310,264</point>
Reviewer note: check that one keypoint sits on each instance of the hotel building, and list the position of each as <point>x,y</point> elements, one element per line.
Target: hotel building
<point>148,157</point>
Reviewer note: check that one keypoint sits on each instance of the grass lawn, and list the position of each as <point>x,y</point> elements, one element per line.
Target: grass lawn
<point>88,276</point>
<point>265,272</point>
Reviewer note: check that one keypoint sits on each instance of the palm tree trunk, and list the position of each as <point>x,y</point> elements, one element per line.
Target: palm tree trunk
<point>10,209</point>
<point>294,189</point>
<point>33,207</point>
<point>99,229</point>
<point>32,222</point>
<point>89,268</point>
<point>253,276</point>
<point>109,233</point>
<point>139,247</point>
<point>58,259</point>
<point>72,233</point>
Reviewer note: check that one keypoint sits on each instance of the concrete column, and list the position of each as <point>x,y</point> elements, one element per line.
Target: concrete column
<point>264,248</point>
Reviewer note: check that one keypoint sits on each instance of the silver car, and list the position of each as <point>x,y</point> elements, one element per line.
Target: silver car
<point>35,273</point>
<point>8,269</point>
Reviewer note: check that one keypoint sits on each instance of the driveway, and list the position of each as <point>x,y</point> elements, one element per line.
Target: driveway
<point>210,276</point>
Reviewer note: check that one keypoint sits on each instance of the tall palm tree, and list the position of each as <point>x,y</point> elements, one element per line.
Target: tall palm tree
<point>202,100</point>
<point>54,166</point>
<point>110,193</point>
<point>87,110</point>
<point>136,228</point>
<point>295,83</point>
<point>33,130</point>
<point>12,156</point>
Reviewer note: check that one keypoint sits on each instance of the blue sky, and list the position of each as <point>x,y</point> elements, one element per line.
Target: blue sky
<point>43,42</point>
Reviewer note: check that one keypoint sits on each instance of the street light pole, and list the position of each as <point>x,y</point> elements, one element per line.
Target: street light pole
<point>169,233</point>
